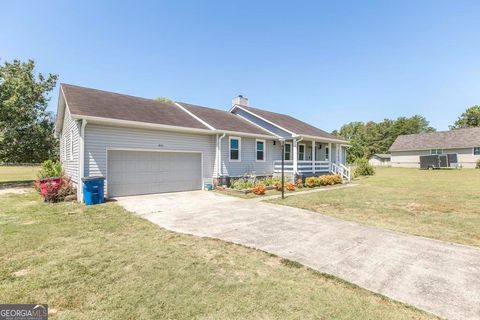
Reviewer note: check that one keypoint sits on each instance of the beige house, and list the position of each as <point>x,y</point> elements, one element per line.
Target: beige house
<point>407,149</point>
<point>379,160</point>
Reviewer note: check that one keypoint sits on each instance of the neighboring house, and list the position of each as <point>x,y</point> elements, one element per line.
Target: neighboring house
<point>380,160</point>
<point>145,146</point>
<point>407,149</point>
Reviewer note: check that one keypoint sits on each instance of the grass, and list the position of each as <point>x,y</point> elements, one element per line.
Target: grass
<point>443,204</point>
<point>101,262</point>
<point>17,173</point>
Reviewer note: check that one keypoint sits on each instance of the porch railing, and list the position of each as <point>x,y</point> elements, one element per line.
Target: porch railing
<point>304,166</point>
<point>343,171</point>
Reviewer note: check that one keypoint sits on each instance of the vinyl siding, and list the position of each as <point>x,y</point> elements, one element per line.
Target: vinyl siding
<point>263,124</point>
<point>411,159</point>
<point>100,137</point>
<point>70,166</point>
<point>248,164</point>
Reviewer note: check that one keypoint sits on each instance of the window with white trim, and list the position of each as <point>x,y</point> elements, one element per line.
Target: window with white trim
<point>234,149</point>
<point>326,153</point>
<point>68,146</point>
<point>301,152</point>
<point>71,145</point>
<point>260,150</point>
<point>476,151</point>
<point>288,151</point>
<point>436,151</point>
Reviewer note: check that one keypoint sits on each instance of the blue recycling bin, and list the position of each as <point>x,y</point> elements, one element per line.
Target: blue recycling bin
<point>93,190</point>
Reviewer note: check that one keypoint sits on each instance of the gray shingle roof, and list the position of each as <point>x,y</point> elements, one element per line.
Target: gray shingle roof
<point>223,120</point>
<point>97,103</point>
<point>383,155</point>
<point>291,124</point>
<point>458,138</point>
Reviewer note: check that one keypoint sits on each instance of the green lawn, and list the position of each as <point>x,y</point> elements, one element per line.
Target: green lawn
<point>443,204</point>
<point>20,173</point>
<point>102,262</point>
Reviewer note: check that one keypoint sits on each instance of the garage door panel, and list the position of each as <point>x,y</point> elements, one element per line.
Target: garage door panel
<point>142,172</point>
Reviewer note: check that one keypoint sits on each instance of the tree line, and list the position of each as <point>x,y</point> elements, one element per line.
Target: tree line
<point>367,138</point>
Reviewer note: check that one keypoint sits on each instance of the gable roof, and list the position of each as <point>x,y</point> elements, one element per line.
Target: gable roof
<point>223,120</point>
<point>291,124</point>
<point>458,138</point>
<point>103,104</point>
<point>382,155</point>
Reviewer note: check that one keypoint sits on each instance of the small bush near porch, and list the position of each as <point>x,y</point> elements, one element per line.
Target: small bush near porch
<point>440,204</point>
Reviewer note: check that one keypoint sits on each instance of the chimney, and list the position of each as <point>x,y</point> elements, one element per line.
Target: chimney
<point>240,100</point>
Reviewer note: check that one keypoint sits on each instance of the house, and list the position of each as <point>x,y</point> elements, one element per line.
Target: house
<point>379,160</point>
<point>407,149</point>
<point>145,146</point>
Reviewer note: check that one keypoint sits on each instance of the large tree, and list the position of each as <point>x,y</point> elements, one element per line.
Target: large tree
<point>26,127</point>
<point>377,137</point>
<point>469,119</point>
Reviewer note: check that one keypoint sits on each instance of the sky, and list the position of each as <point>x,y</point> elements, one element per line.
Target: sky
<point>324,62</point>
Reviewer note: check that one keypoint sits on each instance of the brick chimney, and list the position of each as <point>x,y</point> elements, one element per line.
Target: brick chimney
<point>240,100</point>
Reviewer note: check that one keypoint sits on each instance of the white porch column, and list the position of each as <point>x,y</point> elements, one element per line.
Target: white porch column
<point>330,155</point>
<point>295,156</point>
<point>313,156</point>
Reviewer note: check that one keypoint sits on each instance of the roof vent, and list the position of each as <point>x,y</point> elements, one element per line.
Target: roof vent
<point>240,101</point>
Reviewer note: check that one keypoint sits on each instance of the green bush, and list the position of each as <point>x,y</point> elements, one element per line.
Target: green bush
<point>363,168</point>
<point>478,165</point>
<point>241,184</point>
<point>50,169</point>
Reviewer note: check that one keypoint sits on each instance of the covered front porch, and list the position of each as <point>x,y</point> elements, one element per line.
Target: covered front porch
<point>307,158</point>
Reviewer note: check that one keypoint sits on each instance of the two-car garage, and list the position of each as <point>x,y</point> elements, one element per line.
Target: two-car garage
<point>134,172</point>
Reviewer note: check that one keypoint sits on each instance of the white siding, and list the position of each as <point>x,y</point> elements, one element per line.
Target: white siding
<point>100,137</point>
<point>411,159</point>
<point>248,165</point>
<point>70,166</point>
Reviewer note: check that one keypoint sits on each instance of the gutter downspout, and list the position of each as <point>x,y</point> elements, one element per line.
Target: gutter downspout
<point>81,161</point>
<point>219,157</point>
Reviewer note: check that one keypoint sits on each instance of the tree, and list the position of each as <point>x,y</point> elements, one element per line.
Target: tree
<point>26,127</point>
<point>377,137</point>
<point>164,100</point>
<point>469,119</point>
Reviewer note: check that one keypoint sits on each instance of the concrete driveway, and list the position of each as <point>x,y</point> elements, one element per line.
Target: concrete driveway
<point>435,276</point>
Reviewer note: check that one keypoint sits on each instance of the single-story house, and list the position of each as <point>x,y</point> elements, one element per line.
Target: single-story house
<point>379,160</point>
<point>146,146</point>
<point>407,149</point>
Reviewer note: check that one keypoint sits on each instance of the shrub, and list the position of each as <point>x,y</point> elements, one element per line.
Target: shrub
<point>310,182</point>
<point>50,169</point>
<point>290,186</point>
<point>363,168</point>
<point>478,165</point>
<point>329,180</point>
<point>241,184</point>
<point>268,181</point>
<point>56,192</point>
<point>278,185</point>
<point>259,189</point>
<point>299,183</point>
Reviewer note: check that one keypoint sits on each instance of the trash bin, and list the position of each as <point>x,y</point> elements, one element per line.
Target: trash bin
<point>93,190</point>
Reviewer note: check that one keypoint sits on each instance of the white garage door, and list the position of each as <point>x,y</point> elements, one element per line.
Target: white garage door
<point>143,172</point>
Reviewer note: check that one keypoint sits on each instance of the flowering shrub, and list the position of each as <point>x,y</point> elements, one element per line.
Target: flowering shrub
<point>290,186</point>
<point>55,189</point>
<point>310,182</point>
<point>259,189</point>
<point>329,180</point>
<point>299,183</point>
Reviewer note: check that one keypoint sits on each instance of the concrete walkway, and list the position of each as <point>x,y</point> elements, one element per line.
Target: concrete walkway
<point>435,276</point>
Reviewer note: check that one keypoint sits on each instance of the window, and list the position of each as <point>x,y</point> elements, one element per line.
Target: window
<point>260,150</point>
<point>288,151</point>
<point>68,146</point>
<point>476,151</point>
<point>326,153</point>
<point>436,151</point>
<point>71,145</point>
<point>235,147</point>
<point>301,152</point>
